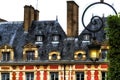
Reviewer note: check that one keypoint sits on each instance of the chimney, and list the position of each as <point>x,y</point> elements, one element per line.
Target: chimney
<point>36,15</point>
<point>72,19</point>
<point>30,14</point>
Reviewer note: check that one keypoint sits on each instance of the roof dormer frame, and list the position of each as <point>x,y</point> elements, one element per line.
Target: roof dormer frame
<point>7,48</point>
<point>52,53</point>
<point>30,47</point>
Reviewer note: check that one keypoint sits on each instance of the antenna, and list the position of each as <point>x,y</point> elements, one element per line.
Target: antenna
<point>37,5</point>
<point>56,18</point>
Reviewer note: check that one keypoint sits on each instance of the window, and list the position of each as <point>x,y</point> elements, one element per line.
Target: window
<point>29,76</point>
<point>39,38</point>
<point>54,56</point>
<point>104,54</point>
<point>55,38</point>
<point>30,55</point>
<point>5,56</point>
<point>5,76</point>
<point>54,76</point>
<point>79,55</point>
<point>86,37</point>
<point>79,75</point>
<point>104,75</point>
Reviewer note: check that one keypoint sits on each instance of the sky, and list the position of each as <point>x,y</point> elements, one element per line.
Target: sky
<point>13,10</point>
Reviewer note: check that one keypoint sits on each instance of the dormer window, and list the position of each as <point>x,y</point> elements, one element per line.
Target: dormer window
<point>86,38</point>
<point>30,52</point>
<point>5,56</point>
<point>56,38</point>
<point>54,55</point>
<point>80,55</point>
<point>30,55</point>
<point>6,53</point>
<point>39,38</point>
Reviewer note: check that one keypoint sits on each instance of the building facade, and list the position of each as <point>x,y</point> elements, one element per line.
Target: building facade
<point>40,50</point>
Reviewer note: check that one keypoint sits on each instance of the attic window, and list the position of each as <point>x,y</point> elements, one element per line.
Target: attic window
<point>5,56</point>
<point>54,55</point>
<point>30,52</point>
<point>86,37</point>
<point>6,53</point>
<point>80,55</point>
<point>56,38</point>
<point>30,55</point>
<point>39,38</point>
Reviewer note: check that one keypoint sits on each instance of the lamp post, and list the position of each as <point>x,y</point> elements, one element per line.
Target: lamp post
<point>94,47</point>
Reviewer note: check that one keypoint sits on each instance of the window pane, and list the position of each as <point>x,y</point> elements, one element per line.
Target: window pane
<point>30,55</point>
<point>56,38</point>
<point>79,75</point>
<point>39,38</point>
<point>5,56</point>
<point>104,54</point>
<point>29,76</point>
<point>103,75</point>
<point>54,76</point>
<point>5,76</point>
<point>86,37</point>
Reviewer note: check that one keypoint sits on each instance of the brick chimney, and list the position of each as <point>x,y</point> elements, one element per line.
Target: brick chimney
<point>72,19</point>
<point>30,14</point>
<point>36,15</point>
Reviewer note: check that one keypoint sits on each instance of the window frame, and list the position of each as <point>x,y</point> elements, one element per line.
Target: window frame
<point>55,75</point>
<point>5,74</point>
<point>5,56</point>
<point>30,55</point>
<point>105,76</point>
<point>80,76</point>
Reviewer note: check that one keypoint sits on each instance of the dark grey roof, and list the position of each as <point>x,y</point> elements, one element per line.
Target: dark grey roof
<point>12,33</point>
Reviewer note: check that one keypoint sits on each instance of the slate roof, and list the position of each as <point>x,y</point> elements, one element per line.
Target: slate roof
<point>12,33</point>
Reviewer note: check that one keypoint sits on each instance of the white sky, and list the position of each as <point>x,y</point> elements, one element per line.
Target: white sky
<point>13,10</point>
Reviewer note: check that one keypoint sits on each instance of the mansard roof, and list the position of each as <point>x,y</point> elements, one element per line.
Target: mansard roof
<point>12,34</point>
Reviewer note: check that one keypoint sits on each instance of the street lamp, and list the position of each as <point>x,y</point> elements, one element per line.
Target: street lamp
<point>97,23</point>
<point>94,51</point>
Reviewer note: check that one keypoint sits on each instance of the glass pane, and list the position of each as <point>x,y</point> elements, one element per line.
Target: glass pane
<point>29,76</point>
<point>55,38</point>
<point>104,75</point>
<point>79,75</point>
<point>104,54</point>
<point>54,75</point>
<point>5,76</point>
<point>39,38</point>
<point>5,56</point>
<point>30,55</point>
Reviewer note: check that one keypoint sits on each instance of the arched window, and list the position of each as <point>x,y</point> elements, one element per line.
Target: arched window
<point>80,55</point>
<point>54,55</point>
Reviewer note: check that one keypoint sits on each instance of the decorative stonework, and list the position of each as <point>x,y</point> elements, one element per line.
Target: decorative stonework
<point>80,55</point>
<point>30,47</point>
<point>54,55</point>
<point>7,48</point>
